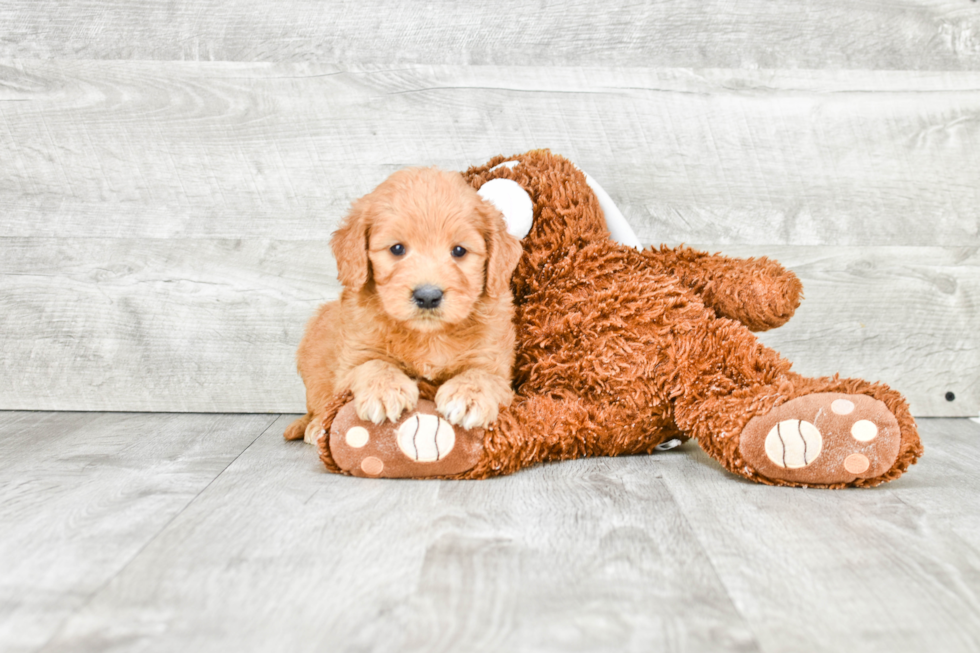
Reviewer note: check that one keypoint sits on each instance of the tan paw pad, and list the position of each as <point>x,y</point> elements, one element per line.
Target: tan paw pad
<point>426,438</point>
<point>357,437</point>
<point>420,444</point>
<point>792,444</point>
<point>822,438</point>
<point>857,463</point>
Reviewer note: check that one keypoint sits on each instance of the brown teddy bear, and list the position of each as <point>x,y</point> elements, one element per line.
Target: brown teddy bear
<point>620,351</point>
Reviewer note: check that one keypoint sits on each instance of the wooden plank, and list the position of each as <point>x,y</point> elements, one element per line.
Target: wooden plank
<point>277,555</point>
<point>914,34</point>
<point>902,315</point>
<point>212,325</point>
<point>954,468</point>
<point>603,554</point>
<point>867,570</point>
<point>81,494</point>
<point>168,149</point>
<point>157,325</point>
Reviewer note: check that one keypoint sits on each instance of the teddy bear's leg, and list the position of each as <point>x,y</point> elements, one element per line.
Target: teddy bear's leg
<point>842,432</point>
<point>761,421</point>
<point>534,429</point>
<point>758,292</point>
<point>419,444</point>
<point>539,428</point>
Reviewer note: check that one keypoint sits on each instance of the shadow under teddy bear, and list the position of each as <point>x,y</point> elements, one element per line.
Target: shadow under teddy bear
<point>621,350</point>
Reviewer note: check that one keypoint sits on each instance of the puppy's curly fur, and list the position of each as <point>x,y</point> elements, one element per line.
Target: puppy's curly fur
<point>421,228</point>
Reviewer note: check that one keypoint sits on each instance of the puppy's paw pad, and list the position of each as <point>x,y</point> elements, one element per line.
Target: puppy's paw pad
<point>420,445</point>
<point>823,438</point>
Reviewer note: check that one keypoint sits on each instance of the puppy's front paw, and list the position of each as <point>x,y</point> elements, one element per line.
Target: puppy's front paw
<point>382,390</point>
<point>473,399</point>
<point>376,404</point>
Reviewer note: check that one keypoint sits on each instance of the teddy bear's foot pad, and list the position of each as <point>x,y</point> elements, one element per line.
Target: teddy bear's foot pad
<point>823,438</point>
<point>420,444</point>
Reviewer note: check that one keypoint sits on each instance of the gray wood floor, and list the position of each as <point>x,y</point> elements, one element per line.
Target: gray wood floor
<point>164,532</point>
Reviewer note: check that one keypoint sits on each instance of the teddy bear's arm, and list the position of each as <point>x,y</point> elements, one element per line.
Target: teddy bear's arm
<point>758,292</point>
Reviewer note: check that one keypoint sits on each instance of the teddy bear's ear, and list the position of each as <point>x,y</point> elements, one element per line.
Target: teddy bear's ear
<point>349,245</point>
<point>512,201</point>
<point>503,253</point>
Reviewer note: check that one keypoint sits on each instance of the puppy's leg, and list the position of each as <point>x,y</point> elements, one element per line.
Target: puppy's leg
<point>320,391</point>
<point>382,390</point>
<point>316,361</point>
<point>308,428</point>
<point>297,428</point>
<point>473,398</point>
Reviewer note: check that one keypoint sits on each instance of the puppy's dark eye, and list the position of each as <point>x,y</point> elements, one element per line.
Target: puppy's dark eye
<point>397,250</point>
<point>459,252</point>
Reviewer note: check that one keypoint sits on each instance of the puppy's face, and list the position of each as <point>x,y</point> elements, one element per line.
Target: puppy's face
<point>427,256</point>
<point>428,246</point>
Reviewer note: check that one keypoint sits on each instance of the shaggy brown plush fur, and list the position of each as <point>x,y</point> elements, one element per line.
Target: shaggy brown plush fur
<point>619,350</point>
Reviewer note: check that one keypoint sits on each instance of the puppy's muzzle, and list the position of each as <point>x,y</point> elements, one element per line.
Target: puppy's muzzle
<point>427,296</point>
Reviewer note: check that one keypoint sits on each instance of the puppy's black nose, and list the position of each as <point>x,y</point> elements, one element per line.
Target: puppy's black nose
<point>427,296</point>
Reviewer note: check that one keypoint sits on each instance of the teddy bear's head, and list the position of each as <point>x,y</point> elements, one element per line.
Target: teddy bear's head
<point>565,210</point>
<point>552,205</point>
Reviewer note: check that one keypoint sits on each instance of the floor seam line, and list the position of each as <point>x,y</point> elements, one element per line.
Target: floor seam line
<point>711,563</point>
<point>163,528</point>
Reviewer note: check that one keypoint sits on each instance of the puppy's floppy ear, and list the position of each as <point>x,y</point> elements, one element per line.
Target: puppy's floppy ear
<point>503,253</point>
<point>349,245</point>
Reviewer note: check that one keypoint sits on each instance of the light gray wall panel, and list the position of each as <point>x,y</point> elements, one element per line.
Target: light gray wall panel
<point>126,149</point>
<point>908,316</point>
<point>164,225</point>
<point>158,325</point>
<point>212,325</point>
<point>905,34</point>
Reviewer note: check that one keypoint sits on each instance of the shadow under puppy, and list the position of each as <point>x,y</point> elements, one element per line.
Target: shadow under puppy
<point>425,265</point>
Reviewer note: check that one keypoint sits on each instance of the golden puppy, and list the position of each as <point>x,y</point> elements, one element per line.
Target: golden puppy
<point>425,265</point>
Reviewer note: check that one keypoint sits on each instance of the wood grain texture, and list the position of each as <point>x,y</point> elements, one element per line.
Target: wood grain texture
<point>885,570</point>
<point>128,149</point>
<point>81,494</point>
<point>955,462</point>
<point>149,324</point>
<point>212,325</point>
<point>909,34</point>
<point>665,552</point>
<point>903,315</point>
<point>165,224</point>
<point>278,555</point>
